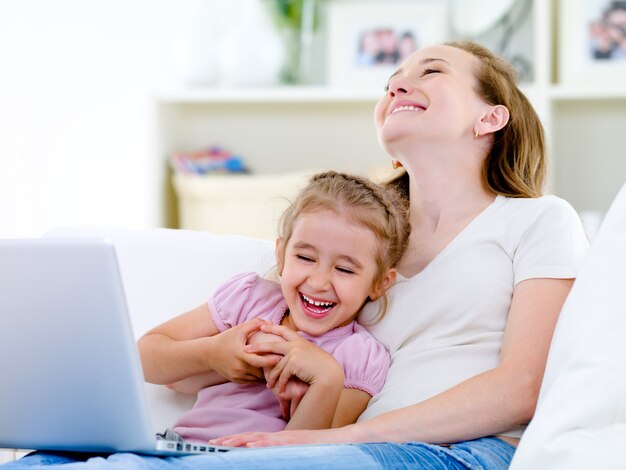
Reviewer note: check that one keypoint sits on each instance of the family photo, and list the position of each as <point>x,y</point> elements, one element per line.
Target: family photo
<point>607,31</point>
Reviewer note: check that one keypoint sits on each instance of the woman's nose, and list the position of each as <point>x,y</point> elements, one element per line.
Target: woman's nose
<point>398,86</point>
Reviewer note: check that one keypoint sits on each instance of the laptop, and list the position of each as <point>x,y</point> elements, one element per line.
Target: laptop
<point>69,366</point>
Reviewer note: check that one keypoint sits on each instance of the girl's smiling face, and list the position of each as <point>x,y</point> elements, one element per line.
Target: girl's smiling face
<point>328,272</point>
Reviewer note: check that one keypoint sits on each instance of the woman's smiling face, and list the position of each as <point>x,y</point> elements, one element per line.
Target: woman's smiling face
<point>430,97</point>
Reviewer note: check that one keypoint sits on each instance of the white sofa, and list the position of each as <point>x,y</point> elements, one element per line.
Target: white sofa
<point>581,417</point>
<point>580,421</point>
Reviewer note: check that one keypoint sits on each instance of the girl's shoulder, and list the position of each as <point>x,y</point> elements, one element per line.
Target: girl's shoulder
<point>245,296</point>
<point>247,283</point>
<point>364,359</point>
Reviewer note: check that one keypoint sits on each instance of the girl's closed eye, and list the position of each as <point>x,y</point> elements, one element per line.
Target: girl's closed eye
<point>305,258</point>
<point>345,270</point>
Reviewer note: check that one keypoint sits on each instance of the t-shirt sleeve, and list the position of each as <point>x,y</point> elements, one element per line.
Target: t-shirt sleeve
<point>244,297</point>
<point>365,361</point>
<point>553,245</point>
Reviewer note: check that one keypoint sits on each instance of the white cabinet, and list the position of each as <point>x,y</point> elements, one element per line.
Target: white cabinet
<point>307,128</point>
<point>278,130</point>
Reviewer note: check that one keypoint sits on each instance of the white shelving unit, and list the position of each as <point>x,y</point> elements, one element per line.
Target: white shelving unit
<point>288,129</point>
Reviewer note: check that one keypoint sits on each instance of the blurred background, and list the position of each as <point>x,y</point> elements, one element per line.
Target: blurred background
<point>202,114</point>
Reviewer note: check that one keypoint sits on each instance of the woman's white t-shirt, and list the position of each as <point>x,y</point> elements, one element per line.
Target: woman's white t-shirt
<point>445,324</point>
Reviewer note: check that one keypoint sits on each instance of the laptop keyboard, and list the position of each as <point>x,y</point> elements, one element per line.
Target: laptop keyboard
<point>176,446</point>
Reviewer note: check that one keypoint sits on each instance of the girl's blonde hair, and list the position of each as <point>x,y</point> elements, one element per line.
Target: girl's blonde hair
<point>383,211</point>
<point>516,165</point>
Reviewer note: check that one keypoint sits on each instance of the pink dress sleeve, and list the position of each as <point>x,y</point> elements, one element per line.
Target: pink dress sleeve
<point>244,297</point>
<point>365,361</point>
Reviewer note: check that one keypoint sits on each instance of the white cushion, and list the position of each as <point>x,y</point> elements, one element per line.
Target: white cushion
<point>167,272</point>
<point>580,421</point>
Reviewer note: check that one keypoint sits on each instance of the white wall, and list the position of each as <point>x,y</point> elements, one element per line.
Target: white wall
<point>76,118</point>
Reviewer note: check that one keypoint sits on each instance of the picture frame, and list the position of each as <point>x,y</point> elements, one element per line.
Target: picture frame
<point>367,40</point>
<point>592,42</point>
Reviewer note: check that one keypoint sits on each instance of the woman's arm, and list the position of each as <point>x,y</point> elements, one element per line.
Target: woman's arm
<point>191,345</point>
<point>494,401</point>
<point>486,404</point>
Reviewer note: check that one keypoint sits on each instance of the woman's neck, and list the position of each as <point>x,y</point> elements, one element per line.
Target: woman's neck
<point>443,201</point>
<point>437,196</point>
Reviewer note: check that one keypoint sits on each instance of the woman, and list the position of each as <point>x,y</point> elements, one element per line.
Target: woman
<point>489,265</point>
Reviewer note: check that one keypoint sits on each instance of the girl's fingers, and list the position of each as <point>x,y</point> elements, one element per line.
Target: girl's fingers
<point>280,330</point>
<point>295,401</point>
<point>275,347</point>
<point>274,374</point>
<point>251,326</point>
<point>259,362</point>
<point>283,378</point>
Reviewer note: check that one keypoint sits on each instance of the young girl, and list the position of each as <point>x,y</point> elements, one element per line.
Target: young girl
<point>337,249</point>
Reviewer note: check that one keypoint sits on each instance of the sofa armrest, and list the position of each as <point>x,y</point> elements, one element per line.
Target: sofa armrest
<point>580,421</point>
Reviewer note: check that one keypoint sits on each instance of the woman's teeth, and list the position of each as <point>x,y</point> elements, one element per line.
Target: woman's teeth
<point>406,108</point>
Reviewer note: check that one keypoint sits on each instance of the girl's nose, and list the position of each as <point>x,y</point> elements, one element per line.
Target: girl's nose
<point>320,280</point>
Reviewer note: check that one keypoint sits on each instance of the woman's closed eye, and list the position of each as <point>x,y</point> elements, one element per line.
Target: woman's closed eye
<point>429,71</point>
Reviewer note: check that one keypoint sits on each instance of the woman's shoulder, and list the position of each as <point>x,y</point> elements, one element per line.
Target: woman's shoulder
<point>547,202</point>
<point>548,208</point>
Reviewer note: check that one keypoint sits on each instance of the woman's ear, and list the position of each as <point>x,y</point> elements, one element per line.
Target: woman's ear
<point>388,281</point>
<point>493,120</point>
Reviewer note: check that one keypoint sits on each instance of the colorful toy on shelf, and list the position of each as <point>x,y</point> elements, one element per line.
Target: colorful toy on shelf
<point>212,160</point>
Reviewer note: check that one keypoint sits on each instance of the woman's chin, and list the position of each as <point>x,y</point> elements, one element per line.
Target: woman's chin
<point>392,140</point>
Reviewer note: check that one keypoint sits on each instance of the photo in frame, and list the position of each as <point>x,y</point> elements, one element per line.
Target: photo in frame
<point>368,40</point>
<point>592,41</point>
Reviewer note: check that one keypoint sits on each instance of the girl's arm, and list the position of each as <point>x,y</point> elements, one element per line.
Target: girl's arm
<point>351,404</point>
<point>193,384</point>
<point>311,364</point>
<point>190,345</point>
<point>289,398</point>
<point>486,404</point>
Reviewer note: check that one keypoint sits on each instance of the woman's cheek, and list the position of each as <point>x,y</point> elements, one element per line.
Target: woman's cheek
<point>380,111</point>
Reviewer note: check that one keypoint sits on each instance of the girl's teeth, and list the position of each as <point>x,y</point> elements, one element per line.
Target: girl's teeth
<point>316,303</point>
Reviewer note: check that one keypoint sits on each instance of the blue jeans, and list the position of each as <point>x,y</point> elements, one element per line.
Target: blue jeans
<point>485,453</point>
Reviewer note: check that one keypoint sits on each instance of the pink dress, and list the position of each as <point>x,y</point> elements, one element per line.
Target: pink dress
<point>233,408</point>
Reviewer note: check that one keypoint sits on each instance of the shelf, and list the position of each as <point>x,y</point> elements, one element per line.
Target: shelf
<point>579,93</point>
<point>294,128</point>
<point>284,94</point>
<point>280,94</point>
